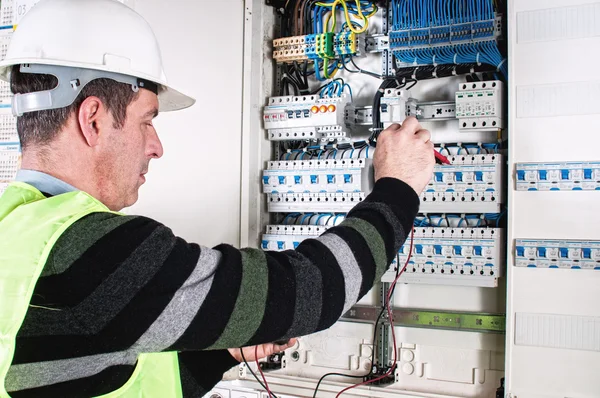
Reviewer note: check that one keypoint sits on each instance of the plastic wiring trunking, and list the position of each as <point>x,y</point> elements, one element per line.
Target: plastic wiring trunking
<point>452,256</point>
<point>470,184</point>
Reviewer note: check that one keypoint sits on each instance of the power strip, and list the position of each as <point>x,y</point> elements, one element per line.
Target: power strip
<point>560,176</point>
<point>558,254</point>
<point>317,176</point>
<point>313,202</point>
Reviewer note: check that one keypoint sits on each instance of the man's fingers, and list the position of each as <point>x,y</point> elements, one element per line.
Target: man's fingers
<point>411,125</point>
<point>424,135</point>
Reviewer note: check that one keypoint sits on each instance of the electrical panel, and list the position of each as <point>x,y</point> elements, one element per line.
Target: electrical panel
<point>444,63</point>
<point>559,176</point>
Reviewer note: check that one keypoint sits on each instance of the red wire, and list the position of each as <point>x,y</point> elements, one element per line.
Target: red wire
<point>391,317</point>
<point>261,372</point>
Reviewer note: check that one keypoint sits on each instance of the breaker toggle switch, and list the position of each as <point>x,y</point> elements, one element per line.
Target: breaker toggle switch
<point>281,180</point>
<point>266,180</point>
<point>587,174</point>
<point>458,250</point>
<point>478,250</point>
<point>541,251</point>
<point>564,252</point>
<point>520,251</point>
<point>479,176</point>
<point>297,179</point>
<point>564,174</point>
<point>543,175</point>
<point>458,176</point>
<point>419,249</point>
<point>348,178</point>
<point>330,179</point>
<point>521,175</point>
<point>313,179</point>
<point>438,249</point>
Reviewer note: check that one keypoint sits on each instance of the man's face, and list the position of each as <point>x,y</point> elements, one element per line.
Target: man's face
<point>127,153</point>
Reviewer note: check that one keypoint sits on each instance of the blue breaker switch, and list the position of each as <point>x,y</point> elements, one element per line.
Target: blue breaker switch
<point>438,249</point>
<point>543,174</point>
<point>348,178</point>
<point>479,176</point>
<point>296,244</point>
<point>564,174</point>
<point>290,114</point>
<point>458,176</point>
<point>478,250</point>
<point>520,251</point>
<point>330,178</point>
<point>265,244</point>
<point>297,179</point>
<point>266,180</point>
<point>281,180</point>
<point>419,249</point>
<point>280,245</point>
<point>521,175</point>
<point>313,179</point>
<point>439,176</point>
<point>587,253</point>
<point>587,174</point>
<point>564,252</point>
<point>541,251</point>
<point>458,250</point>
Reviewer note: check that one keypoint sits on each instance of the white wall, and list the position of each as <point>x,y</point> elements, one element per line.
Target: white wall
<point>195,187</point>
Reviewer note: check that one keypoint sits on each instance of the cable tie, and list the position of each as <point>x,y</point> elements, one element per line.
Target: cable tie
<point>500,65</point>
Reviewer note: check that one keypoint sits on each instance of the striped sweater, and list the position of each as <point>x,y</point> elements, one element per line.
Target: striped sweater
<point>116,286</point>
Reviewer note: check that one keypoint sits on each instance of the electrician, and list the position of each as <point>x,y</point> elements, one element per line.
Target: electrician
<point>97,303</point>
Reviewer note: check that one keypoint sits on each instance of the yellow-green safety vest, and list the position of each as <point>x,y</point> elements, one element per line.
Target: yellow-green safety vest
<point>30,225</point>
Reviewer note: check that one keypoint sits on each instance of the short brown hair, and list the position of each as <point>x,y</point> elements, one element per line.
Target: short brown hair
<point>41,127</point>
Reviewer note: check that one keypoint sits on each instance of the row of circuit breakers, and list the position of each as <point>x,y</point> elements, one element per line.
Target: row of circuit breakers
<point>478,106</point>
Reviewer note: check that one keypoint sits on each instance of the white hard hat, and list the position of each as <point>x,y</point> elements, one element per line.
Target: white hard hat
<point>82,40</point>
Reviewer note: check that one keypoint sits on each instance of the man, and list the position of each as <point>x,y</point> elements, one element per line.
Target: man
<point>94,302</point>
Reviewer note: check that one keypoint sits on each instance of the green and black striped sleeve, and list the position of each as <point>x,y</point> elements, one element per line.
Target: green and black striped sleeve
<point>126,285</point>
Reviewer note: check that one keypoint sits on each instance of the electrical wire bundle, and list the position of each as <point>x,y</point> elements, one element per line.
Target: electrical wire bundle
<point>467,27</point>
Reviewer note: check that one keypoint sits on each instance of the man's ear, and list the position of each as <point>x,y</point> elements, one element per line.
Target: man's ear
<point>91,111</point>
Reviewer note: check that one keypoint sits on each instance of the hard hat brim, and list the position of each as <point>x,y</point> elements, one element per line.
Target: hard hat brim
<point>169,99</point>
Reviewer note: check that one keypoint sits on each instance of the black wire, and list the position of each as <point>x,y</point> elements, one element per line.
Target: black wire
<point>374,338</point>
<point>254,374</point>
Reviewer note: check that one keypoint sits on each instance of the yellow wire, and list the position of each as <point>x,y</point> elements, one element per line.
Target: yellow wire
<point>361,16</point>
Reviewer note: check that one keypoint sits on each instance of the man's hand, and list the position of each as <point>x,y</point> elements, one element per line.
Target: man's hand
<point>405,152</point>
<point>264,350</point>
